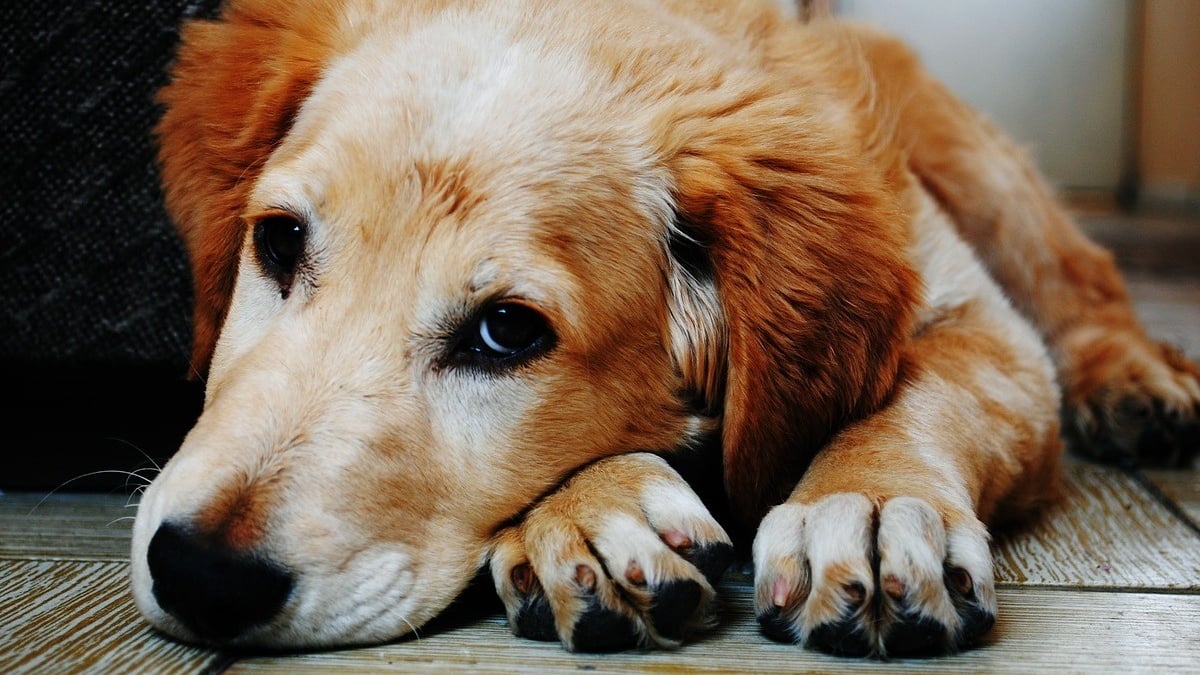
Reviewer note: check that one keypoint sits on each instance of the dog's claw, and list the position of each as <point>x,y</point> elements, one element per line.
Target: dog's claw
<point>675,603</point>
<point>712,560</point>
<point>976,621</point>
<point>914,634</point>
<point>535,620</point>
<point>775,626</point>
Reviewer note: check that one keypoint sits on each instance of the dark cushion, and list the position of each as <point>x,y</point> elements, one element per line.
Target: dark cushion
<point>94,287</point>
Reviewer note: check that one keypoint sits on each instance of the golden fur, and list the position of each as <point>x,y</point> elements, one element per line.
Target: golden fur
<point>732,223</point>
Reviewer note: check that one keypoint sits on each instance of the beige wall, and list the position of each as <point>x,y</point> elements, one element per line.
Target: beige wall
<point>1052,73</point>
<point>1170,102</point>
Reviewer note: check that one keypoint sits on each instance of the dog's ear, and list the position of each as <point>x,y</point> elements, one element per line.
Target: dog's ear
<point>235,87</point>
<point>797,294</point>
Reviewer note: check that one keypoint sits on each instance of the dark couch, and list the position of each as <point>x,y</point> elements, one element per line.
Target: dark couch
<point>94,287</point>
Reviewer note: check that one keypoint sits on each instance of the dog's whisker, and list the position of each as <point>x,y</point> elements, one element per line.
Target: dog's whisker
<point>147,479</point>
<point>416,633</point>
<point>143,453</point>
<point>139,491</point>
<point>69,481</point>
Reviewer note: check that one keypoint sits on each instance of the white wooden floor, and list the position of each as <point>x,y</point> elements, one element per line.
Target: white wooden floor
<point>1107,582</point>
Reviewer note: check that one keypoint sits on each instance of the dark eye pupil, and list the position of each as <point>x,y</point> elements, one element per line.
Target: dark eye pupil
<point>280,242</point>
<point>509,329</point>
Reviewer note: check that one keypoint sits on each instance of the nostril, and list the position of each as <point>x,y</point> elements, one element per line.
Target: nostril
<point>217,592</point>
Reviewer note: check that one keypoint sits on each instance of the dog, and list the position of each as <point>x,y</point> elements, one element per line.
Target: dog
<point>477,284</point>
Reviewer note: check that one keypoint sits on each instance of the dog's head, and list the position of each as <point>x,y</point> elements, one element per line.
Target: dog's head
<point>444,258</point>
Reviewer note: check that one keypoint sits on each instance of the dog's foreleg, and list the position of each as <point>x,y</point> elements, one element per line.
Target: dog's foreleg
<point>882,547</point>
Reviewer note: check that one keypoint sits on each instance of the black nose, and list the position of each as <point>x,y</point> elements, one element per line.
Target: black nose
<point>217,592</point>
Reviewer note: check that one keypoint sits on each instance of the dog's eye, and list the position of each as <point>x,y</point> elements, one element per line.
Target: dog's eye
<point>280,243</point>
<point>505,334</point>
<point>509,329</point>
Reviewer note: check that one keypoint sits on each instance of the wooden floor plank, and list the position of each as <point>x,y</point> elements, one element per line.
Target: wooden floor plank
<point>1181,486</point>
<point>1108,533</point>
<point>1039,630</point>
<point>65,526</point>
<point>78,617</point>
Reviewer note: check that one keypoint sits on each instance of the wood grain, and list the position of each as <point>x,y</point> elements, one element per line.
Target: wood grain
<point>1108,533</point>
<point>77,616</point>
<point>65,526</point>
<point>68,616</point>
<point>1039,630</point>
<point>1181,486</point>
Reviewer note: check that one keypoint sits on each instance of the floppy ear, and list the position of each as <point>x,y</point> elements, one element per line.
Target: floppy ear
<point>806,249</point>
<point>236,85</point>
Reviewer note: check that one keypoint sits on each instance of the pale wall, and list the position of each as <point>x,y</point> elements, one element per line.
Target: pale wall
<point>1051,72</point>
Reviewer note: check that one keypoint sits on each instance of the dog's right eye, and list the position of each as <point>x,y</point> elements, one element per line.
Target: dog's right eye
<point>506,330</point>
<point>502,336</point>
<point>279,243</point>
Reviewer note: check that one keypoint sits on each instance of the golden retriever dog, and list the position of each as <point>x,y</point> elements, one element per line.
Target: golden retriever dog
<point>477,284</point>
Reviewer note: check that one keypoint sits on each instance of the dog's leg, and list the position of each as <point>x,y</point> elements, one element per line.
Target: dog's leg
<point>623,554</point>
<point>1127,398</point>
<point>882,547</point>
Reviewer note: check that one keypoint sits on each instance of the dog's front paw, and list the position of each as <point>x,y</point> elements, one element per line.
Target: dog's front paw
<point>623,555</point>
<point>1130,400</point>
<point>848,577</point>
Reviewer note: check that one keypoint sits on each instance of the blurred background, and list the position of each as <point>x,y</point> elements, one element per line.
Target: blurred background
<point>94,289</point>
<point>1105,93</point>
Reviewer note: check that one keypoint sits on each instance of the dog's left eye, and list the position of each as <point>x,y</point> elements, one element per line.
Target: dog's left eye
<point>506,333</point>
<point>279,240</point>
